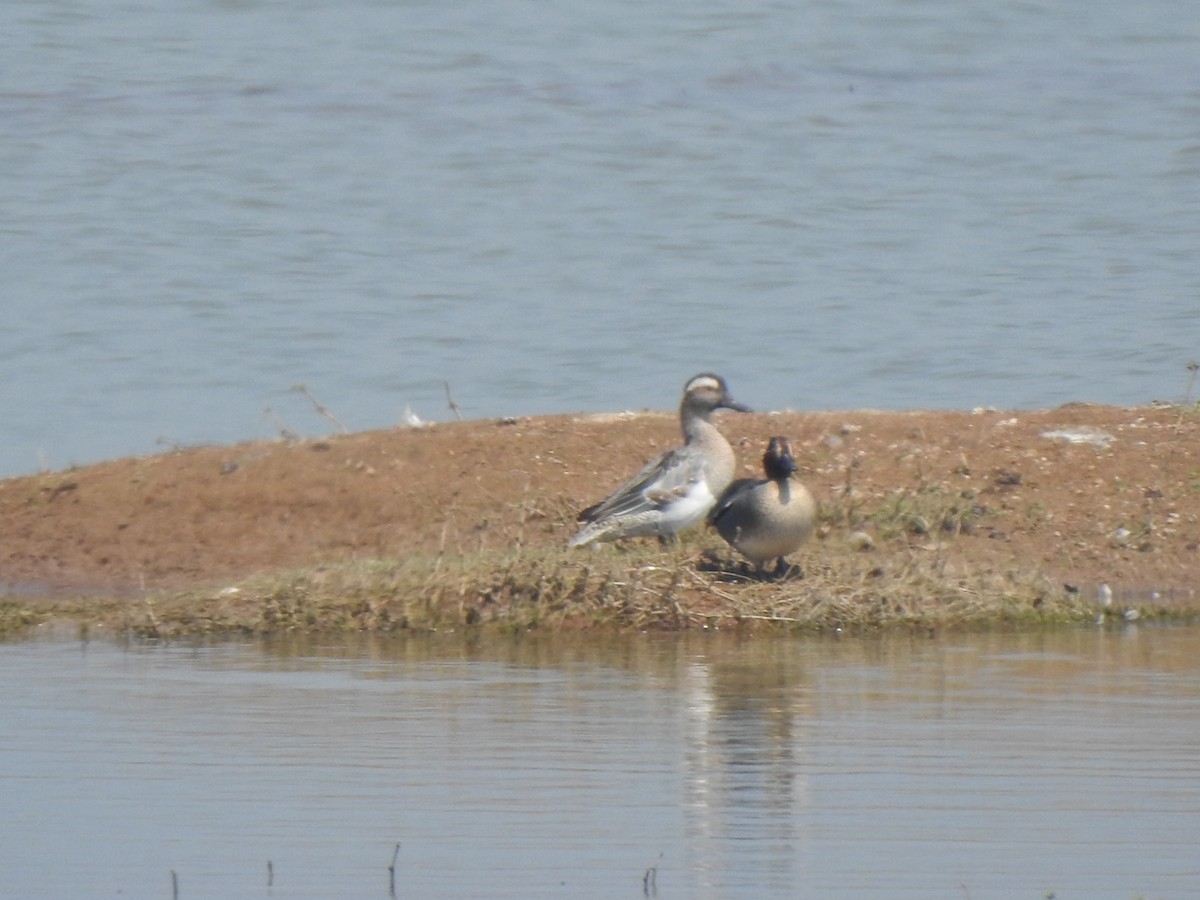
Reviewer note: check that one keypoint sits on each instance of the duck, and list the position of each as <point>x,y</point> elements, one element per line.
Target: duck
<point>677,489</point>
<point>767,518</point>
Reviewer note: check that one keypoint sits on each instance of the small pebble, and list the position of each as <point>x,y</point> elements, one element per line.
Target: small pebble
<point>860,540</point>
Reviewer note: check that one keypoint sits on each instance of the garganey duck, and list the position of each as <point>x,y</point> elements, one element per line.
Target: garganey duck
<point>765,519</point>
<point>679,488</point>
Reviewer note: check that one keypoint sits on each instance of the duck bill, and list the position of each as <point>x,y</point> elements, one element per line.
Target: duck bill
<point>730,403</point>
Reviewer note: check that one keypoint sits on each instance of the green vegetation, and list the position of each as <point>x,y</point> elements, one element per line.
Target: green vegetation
<point>16,619</point>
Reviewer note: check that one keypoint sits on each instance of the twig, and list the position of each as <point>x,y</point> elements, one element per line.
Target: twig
<point>174,885</point>
<point>769,618</point>
<point>321,410</point>
<point>154,623</point>
<point>270,873</point>
<point>450,401</point>
<point>1193,367</point>
<point>392,871</point>
<point>710,587</point>
<point>278,424</point>
<point>650,880</point>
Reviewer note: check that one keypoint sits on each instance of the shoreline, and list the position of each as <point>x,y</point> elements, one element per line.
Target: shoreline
<point>929,519</point>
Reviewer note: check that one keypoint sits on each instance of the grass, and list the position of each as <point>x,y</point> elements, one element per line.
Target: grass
<point>16,619</point>
<point>910,578</point>
<point>636,589</point>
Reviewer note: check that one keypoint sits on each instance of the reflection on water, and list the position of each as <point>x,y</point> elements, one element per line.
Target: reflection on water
<point>981,766</point>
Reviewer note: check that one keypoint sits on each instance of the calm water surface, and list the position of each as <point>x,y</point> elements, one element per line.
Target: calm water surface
<point>838,204</point>
<point>994,766</point>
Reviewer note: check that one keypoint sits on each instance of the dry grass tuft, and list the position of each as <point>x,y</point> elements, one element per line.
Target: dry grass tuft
<point>16,619</point>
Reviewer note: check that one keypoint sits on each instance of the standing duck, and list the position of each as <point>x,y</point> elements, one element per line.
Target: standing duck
<point>680,487</point>
<point>769,518</point>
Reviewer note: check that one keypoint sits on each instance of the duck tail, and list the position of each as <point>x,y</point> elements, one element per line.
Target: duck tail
<point>586,535</point>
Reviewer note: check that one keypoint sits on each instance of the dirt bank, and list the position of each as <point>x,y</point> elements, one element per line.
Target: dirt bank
<point>1080,494</point>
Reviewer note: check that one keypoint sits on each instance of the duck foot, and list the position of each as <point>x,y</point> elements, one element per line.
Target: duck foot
<point>783,571</point>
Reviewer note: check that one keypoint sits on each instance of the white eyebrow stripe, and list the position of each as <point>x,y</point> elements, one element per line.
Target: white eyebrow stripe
<point>703,381</point>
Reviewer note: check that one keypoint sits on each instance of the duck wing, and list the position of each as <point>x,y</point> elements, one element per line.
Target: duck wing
<point>735,490</point>
<point>662,480</point>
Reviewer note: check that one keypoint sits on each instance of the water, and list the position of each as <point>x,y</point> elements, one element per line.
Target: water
<point>988,766</point>
<point>933,204</point>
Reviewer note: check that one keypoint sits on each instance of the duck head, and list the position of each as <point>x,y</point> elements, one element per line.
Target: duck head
<point>706,392</point>
<point>778,461</point>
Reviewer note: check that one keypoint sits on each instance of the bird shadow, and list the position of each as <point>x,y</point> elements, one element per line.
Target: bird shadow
<point>739,570</point>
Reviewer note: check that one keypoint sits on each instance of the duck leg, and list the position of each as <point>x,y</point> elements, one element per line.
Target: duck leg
<point>785,570</point>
